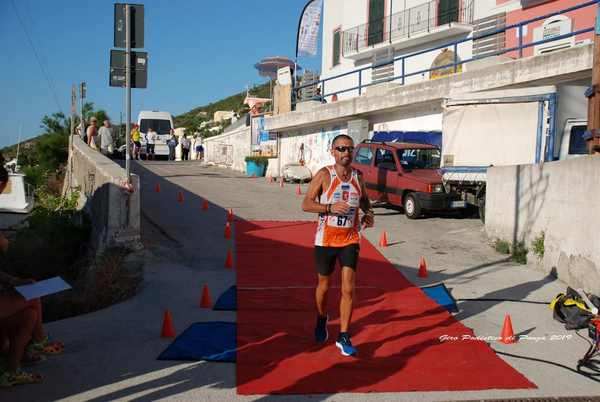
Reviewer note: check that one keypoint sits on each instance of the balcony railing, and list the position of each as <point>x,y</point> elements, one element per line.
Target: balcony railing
<point>404,61</point>
<point>404,24</point>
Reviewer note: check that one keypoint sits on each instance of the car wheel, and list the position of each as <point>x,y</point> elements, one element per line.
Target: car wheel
<point>412,208</point>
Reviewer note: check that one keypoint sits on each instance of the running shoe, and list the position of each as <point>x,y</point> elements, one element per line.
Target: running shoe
<point>345,345</point>
<point>321,334</point>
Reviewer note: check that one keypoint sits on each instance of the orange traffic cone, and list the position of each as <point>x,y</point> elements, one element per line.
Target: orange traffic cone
<point>507,336</point>
<point>281,182</point>
<point>383,240</point>
<point>205,301</point>
<point>180,197</point>
<point>298,190</point>
<point>205,205</point>
<point>422,268</point>
<point>228,230</point>
<point>3,243</point>
<point>230,215</point>
<point>157,188</point>
<point>270,179</point>
<point>229,259</point>
<point>168,331</point>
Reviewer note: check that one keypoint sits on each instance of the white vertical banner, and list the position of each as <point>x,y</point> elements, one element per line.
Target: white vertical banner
<point>308,34</point>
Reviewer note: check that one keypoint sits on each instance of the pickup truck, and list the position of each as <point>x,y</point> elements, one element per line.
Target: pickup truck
<point>406,175</point>
<point>508,127</point>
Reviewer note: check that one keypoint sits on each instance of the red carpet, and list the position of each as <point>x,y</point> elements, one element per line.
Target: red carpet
<point>395,327</point>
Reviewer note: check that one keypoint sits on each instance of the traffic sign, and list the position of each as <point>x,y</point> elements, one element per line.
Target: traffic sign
<point>137,25</point>
<point>139,78</point>
<point>139,60</point>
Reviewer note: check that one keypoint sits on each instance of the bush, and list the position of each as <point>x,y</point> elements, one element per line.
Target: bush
<point>55,236</point>
<point>519,253</point>
<point>259,160</point>
<point>502,246</point>
<point>537,245</point>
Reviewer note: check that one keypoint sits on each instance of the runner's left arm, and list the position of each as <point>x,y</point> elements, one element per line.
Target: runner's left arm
<point>365,205</point>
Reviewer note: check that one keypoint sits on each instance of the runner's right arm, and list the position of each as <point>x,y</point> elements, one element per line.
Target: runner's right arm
<point>315,189</point>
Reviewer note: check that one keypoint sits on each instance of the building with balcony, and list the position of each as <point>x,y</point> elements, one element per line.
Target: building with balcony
<point>378,33</point>
<point>390,63</point>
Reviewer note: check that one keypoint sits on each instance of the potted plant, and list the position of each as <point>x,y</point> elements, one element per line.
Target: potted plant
<point>256,165</point>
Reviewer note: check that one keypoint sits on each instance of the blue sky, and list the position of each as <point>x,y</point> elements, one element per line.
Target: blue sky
<point>199,51</point>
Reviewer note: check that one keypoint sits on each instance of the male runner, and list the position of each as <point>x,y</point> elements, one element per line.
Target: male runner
<point>335,193</point>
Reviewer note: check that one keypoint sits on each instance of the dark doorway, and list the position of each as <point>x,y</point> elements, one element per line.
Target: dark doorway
<point>376,21</point>
<point>448,11</point>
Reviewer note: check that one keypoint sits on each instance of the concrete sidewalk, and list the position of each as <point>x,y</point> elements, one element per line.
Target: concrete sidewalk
<point>111,354</point>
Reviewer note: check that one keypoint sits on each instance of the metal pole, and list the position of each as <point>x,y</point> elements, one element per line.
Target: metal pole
<point>82,122</point>
<point>128,89</point>
<point>594,99</point>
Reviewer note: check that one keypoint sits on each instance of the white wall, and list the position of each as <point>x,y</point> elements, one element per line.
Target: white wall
<point>229,149</point>
<point>558,198</point>
<point>317,146</point>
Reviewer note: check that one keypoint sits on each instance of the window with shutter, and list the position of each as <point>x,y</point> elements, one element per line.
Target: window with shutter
<point>336,47</point>
<point>376,21</point>
<point>448,11</point>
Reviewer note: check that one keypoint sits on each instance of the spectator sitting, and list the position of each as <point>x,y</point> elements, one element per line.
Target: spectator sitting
<point>22,337</point>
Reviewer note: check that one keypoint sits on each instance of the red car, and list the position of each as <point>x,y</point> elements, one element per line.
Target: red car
<point>404,174</point>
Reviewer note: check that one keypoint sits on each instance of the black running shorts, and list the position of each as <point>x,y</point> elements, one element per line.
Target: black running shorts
<point>325,258</point>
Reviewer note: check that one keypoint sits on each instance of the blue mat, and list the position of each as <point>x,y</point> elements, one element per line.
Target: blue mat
<point>441,295</point>
<point>211,341</point>
<point>228,300</point>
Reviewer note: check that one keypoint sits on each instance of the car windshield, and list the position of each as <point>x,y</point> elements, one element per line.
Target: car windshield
<point>160,126</point>
<point>419,158</point>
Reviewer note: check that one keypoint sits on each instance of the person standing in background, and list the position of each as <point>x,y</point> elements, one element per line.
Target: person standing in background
<point>150,143</point>
<point>135,141</point>
<point>106,138</point>
<point>92,134</point>
<point>185,148</point>
<point>172,143</point>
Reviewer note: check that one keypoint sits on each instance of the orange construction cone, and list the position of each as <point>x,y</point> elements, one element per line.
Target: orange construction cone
<point>205,205</point>
<point>422,268</point>
<point>230,215</point>
<point>157,188</point>
<point>298,190</point>
<point>507,336</point>
<point>205,301</point>
<point>180,197</point>
<point>229,259</point>
<point>383,240</point>
<point>168,331</point>
<point>228,230</point>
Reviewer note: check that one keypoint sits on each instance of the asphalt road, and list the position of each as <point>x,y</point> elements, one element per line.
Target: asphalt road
<point>110,354</point>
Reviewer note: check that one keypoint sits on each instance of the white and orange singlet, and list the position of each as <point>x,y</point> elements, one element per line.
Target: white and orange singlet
<point>340,230</point>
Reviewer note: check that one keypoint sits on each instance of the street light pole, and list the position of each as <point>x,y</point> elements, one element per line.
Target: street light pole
<point>128,90</point>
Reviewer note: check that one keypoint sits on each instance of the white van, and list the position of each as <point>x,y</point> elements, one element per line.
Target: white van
<point>162,123</point>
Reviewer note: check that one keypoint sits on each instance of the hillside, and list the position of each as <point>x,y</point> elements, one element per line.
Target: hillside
<point>199,114</point>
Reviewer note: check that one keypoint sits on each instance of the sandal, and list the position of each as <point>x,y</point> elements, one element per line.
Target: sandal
<point>30,358</point>
<point>45,346</point>
<point>19,377</point>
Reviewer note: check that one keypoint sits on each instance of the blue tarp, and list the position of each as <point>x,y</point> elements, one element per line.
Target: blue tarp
<point>441,295</point>
<point>228,300</point>
<point>211,341</point>
<point>419,137</point>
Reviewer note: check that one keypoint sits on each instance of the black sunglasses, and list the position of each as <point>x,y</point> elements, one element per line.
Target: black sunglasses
<point>344,149</point>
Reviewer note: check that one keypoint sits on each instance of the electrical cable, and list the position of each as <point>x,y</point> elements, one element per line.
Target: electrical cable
<point>506,300</point>
<point>590,376</point>
<point>37,57</point>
